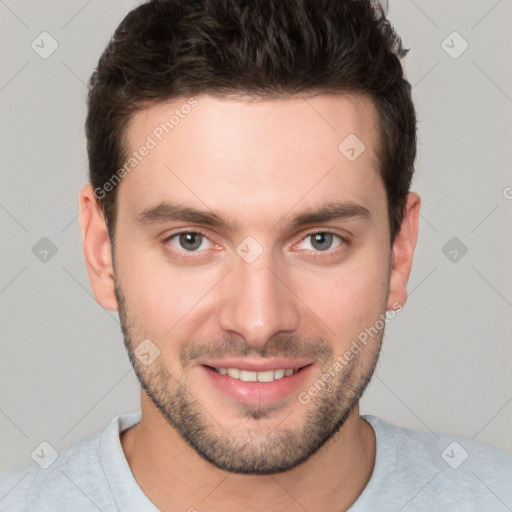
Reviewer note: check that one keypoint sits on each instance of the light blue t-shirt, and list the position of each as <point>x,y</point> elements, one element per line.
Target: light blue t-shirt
<point>414,471</point>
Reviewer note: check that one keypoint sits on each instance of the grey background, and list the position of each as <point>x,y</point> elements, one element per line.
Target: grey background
<point>446,361</point>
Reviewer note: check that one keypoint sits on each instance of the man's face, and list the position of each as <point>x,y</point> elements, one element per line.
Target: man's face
<point>255,291</point>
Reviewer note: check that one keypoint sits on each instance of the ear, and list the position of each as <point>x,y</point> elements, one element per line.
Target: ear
<point>96,247</point>
<point>402,253</point>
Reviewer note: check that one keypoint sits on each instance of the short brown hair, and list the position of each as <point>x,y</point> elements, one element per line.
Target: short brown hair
<point>166,49</point>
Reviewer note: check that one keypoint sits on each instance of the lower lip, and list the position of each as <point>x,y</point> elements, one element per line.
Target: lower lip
<point>257,393</point>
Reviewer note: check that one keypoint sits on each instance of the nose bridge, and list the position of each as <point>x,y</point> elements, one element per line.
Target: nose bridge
<point>255,303</point>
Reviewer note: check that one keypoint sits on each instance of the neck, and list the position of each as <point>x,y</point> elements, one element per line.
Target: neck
<point>175,477</point>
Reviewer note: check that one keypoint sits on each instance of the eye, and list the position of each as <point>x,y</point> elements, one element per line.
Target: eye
<point>189,241</point>
<point>322,241</point>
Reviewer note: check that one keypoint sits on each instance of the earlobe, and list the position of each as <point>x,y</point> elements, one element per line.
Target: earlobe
<point>402,253</point>
<point>97,250</point>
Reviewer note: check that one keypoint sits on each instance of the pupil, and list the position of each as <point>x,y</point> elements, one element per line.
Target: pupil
<point>322,238</point>
<point>190,241</point>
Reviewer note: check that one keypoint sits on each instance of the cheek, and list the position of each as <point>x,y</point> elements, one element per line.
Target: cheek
<point>163,299</point>
<point>350,297</point>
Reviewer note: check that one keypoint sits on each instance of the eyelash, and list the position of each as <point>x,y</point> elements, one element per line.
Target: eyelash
<point>318,254</point>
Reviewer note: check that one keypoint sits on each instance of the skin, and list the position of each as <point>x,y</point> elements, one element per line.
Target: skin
<point>258,163</point>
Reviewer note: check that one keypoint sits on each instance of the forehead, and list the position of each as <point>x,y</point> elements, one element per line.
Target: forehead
<point>253,155</point>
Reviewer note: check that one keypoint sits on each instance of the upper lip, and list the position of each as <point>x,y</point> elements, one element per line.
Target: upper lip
<point>258,364</point>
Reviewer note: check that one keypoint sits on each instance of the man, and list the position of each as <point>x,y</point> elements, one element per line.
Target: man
<point>250,217</point>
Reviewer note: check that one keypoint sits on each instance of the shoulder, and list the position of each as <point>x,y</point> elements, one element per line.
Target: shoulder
<point>445,469</point>
<point>73,479</point>
<point>54,486</point>
<point>433,447</point>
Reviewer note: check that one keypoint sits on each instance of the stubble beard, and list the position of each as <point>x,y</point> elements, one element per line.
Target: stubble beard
<point>253,449</point>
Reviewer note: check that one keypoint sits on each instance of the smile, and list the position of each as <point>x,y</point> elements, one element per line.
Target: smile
<point>256,386</point>
<point>250,376</point>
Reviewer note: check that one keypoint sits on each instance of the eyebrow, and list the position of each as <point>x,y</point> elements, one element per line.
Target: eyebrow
<point>168,211</point>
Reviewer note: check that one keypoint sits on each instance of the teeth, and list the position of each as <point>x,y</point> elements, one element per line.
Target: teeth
<point>234,372</point>
<point>249,376</point>
<point>278,374</point>
<point>267,376</point>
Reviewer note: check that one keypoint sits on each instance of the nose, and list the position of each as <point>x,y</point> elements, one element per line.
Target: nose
<point>257,303</point>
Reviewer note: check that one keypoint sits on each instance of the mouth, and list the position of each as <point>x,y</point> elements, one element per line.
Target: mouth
<point>253,376</point>
<point>244,382</point>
